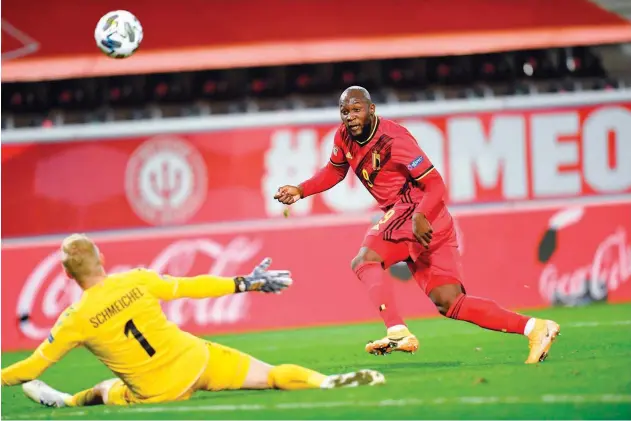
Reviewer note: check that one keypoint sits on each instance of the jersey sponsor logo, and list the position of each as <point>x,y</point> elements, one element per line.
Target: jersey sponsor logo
<point>166,181</point>
<point>415,163</point>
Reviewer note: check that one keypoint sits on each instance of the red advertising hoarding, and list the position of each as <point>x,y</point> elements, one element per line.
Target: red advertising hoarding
<point>529,257</point>
<point>231,175</point>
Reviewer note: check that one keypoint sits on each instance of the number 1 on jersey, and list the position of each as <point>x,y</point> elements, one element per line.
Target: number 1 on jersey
<point>131,327</point>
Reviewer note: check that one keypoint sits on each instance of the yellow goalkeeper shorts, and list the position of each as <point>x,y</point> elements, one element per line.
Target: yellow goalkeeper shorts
<point>226,370</point>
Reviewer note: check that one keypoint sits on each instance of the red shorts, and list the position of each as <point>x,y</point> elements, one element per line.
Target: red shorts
<point>393,240</point>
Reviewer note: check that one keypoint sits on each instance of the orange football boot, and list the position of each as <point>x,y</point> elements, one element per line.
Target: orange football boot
<point>397,340</point>
<point>540,340</point>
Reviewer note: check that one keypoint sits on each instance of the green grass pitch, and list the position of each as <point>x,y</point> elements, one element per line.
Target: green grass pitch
<point>460,372</point>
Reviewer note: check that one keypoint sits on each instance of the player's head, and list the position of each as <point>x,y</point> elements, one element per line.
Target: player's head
<point>81,258</point>
<point>357,112</point>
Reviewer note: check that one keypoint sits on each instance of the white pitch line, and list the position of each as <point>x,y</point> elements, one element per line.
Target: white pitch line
<point>466,400</point>
<point>597,324</point>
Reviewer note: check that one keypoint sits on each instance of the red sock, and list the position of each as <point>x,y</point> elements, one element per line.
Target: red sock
<point>380,291</point>
<point>487,314</point>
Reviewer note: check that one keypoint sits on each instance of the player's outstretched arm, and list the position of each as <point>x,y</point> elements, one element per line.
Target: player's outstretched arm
<point>64,336</point>
<point>261,279</point>
<point>25,370</point>
<point>326,178</point>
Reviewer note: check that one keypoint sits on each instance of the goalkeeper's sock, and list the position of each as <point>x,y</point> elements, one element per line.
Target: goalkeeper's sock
<point>381,292</point>
<point>294,377</point>
<point>85,398</point>
<point>487,314</point>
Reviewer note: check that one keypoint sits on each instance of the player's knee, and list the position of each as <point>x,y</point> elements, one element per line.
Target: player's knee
<point>99,393</point>
<point>365,255</point>
<point>445,296</point>
<point>258,376</point>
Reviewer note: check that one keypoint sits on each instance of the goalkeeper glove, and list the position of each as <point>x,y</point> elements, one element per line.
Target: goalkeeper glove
<point>263,280</point>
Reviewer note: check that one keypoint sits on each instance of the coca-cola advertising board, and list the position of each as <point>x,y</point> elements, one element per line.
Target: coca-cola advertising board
<point>231,175</point>
<point>526,257</point>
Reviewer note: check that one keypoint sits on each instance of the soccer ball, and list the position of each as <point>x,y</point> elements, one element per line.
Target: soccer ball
<point>118,34</point>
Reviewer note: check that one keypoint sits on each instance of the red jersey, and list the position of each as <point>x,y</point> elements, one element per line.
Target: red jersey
<point>390,164</point>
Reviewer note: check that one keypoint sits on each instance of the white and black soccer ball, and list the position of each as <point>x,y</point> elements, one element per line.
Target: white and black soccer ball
<point>118,34</point>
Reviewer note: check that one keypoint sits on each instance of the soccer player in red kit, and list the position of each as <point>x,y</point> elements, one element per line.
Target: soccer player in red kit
<point>416,228</point>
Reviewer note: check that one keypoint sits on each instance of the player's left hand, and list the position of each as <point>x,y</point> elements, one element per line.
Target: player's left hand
<point>422,229</point>
<point>264,280</point>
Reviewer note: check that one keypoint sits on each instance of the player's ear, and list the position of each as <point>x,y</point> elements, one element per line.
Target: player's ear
<point>102,259</point>
<point>372,109</point>
<point>68,275</point>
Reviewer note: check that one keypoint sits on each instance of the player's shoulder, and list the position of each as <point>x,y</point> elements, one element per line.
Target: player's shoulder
<point>136,275</point>
<point>341,135</point>
<point>72,309</point>
<point>400,135</point>
<point>70,316</point>
<point>391,127</point>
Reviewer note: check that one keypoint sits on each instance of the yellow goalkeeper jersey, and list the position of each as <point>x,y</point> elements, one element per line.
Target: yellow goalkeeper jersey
<point>121,322</point>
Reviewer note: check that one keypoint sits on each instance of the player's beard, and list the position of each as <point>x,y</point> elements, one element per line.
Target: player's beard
<point>366,130</point>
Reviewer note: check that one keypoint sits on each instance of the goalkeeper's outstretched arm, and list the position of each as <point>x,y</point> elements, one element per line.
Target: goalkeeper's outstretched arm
<point>168,287</point>
<point>64,336</point>
<point>26,370</point>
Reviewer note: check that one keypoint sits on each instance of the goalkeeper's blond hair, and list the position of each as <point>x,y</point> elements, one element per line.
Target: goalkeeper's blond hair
<point>80,256</point>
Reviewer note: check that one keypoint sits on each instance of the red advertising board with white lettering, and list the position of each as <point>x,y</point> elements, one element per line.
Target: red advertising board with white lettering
<point>522,258</point>
<point>232,175</point>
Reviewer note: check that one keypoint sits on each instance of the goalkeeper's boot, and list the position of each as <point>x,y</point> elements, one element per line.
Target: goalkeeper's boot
<point>540,340</point>
<point>41,393</point>
<point>398,339</point>
<point>354,379</point>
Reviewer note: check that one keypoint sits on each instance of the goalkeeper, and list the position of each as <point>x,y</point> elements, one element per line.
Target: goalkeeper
<point>119,319</point>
